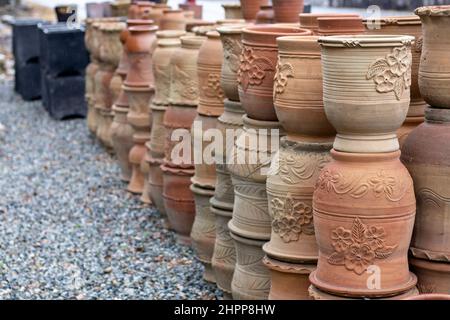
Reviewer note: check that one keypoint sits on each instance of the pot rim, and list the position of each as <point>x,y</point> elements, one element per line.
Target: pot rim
<point>143,28</point>
<point>223,22</point>
<point>355,41</point>
<point>177,171</point>
<point>140,22</point>
<point>170,34</point>
<point>430,296</point>
<point>194,42</point>
<point>433,11</point>
<point>231,5</point>
<point>231,28</point>
<point>173,11</point>
<point>213,34</point>
<point>261,124</point>
<point>284,267</point>
<point>113,27</point>
<point>299,44</point>
<point>169,42</point>
<point>267,34</point>
<point>395,20</point>
<point>199,191</point>
<point>440,266</point>
<point>311,18</point>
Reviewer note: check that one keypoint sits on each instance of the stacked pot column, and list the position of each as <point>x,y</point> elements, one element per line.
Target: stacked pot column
<point>139,87</point>
<point>425,154</point>
<point>364,205</point>
<point>91,70</point>
<point>251,157</point>
<point>292,251</point>
<point>178,167</point>
<point>408,25</point>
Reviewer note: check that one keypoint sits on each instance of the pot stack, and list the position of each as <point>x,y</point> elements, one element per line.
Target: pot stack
<point>364,205</point>
<point>425,154</point>
<point>178,166</point>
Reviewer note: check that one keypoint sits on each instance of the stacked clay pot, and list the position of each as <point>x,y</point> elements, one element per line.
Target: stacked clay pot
<point>250,8</point>
<point>425,154</point>
<point>337,25</point>
<point>156,13</point>
<point>178,167</point>
<point>292,251</point>
<point>173,20</point>
<point>139,87</point>
<point>364,205</point>
<point>310,21</point>
<point>287,11</point>
<point>405,25</point>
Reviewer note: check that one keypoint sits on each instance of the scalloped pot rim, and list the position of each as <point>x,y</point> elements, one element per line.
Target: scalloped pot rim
<point>395,20</point>
<point>433,11</point>
<point>366,40</point>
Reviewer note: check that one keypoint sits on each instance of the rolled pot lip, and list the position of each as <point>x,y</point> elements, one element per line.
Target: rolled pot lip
<point>364,157</point>
<point>286,267</point>
<point>231,5</point>
<point>231,28</point>
<point>301,44</point>
<point>224,22</point>
<point>340,24</point>
<point>213,34</point>
<point>192,41</point>
<point>113,27</point>
<point>395,20</point>
<point>170,34</point>
<point>433,11</point>
<point>261,124</point>
<point>149,28</point>
<point>140,22</point>
<point>169,43</point>
<point>267,34</point>
<point>311,18</point>
<point>365,40</point>
<point>199,191</point>
<point>439,266</point>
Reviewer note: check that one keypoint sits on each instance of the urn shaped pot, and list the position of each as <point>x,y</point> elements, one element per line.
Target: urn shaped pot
<point>173,20</point>
<point>364,209</point>
<point>434,70</point>
<point>287,11</point>
<point>250,8</point>
<point>366,89</point>
<point>257,68</point>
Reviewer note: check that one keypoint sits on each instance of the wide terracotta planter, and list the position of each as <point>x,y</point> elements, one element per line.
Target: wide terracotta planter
<point>251,278</point>
<point>298,94</point>
<point>122,140</point>
<point>364,209</point>
<point>432,277</point>
<point>265,15</point>
<point>329,26</point>
<point>203,232</point>
<point>258,66</point>
<point>288,281</point>
<point>250,8</point>
<point>209,66</point>
<point>155,181</point>
<point>232,11</point>
<point>366,89</point>
<point>424,153</point>
<point>310,20</point>
<point>434,81</point>
<point>173,20</point>
<point>179,201</point>
<point>287,11</point>
<point>184,83</point>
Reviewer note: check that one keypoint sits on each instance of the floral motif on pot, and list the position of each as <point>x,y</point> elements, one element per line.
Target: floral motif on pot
<point>232,50</point>
<point>188,87</point>
<point>393,73</point>
<point>213,88</point>
<point>294,167</point>
<point>252,69</point>
<point>419,45</point>
<point>284,71</point>
<point>163,83</point>
<point>358,248</point>
<point>291,218</point>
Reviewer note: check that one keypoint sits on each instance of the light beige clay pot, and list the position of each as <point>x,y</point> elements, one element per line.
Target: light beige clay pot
<point>122,139</point>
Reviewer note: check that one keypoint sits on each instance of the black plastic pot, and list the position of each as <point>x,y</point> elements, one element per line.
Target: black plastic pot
<point>64,12</point>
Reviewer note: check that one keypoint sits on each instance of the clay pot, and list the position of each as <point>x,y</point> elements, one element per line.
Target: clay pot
<point>356,72</point>
<point>287,11</point>
<point>298,90</point>
<point>203,232</point>
<point>434,68</point>
<point>173,20</point>
<point>265,15</point>
<point>232,49</point>
<point>224,257</point>
<point>145,169</point>
<point>209,66</point>
<point>257,68</point>
<point>251,279</point>
<point>158,132</point>
<point>136,156</point>
<point>248,164</point>
<point>184,83</point>
<point>329,26</point>
<point>111,46</point>
<point>232,11</point>
<point>115,86</point>
<point>250,8</point>
<point>155,182</point>
<point>91,71</point>
<point>290,188</point>
<point>120,8</point>
<point>310,20</point>
<point>432,277</point>
<point>424,153</point>
<point>430,297</point>
<point>133,10</point>
<point>122,139</point>
<point>144,7</point>
<point>104,129</point>
<point>179,201</point>
<point>139,115</point>
<point>157,12</point>
<point>103,101</point>
<point>189,6</point>
<point>364,209</point>
<point>139,43</point>
<point>289,281</point>
<point>317,294</point>
<point>192,24</point>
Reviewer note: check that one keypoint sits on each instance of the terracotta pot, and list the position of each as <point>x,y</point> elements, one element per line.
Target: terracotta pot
<point>137,154</point>
<point>192,24</point>
<point>298,90</point>
<point>111,46</point>
<point>157,12</point>
<point>265,15</point>
<point>133,10</point>
<point>155,182</point>
<point>408,126</point>
<point>287,10</point>
<point>203,232</point>
<point>317,294</point>
<point>173,20</point>
<point>251,279</point>
<point>104,129</point>
<point>232,11</point>
<point>290,188</point>
<point>432,277</point>
<point>158,132</point>
<point>355,67</point>
<point>289,281</point>
<point>205,167</point>
<point>224,257</point>
<point>197,9</point>
<point>250,8</point>
<point>248,164</point>
<point>178,118</point>
<point>103,100</point>
<point>145,169</point>
<point>120,8</point>
<point>310,20</point>
<point>257,68</point>
<point>184,83</point>
<point>139,115</point>
<point>209,66</point>
<point>179,201</point>
<point>91,71</point>
<point>364,209</point>
<point>424,154</point>
<point>203,30</point>
<point>144,7</point>
<point>329,26</point>
<point>232,49</point>
<point>434,68</point>
<point>115,86</point>
<point>139,43</point>
<point>122,140</point>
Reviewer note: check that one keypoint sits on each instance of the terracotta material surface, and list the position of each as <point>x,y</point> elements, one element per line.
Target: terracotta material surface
<point>287,11</point>
<point>265,15</point>
<point>91,71</point>
<point>137,154</point>
<point>122,140</point>
<point>158,132</point>
<point>232,11</point>
<point>329,26</point>
<point>317,294</point>
<point>157,12</point>
<point>310,20</point>
<point>250,8</point>
<point>196,8</point>
<point>173,20</point>
<point>155,181</point>
<point>432,277</point>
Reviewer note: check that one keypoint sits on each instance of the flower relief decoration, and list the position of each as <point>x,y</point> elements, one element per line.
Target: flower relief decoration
<point>358,248</point>
<point>232,49</point>
<point>284,71</point>
<point>252,69</point>
<point>393,73</point>
<point>213,89</point>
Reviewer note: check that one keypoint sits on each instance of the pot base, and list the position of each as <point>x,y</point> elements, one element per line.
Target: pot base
<point>317,294</point>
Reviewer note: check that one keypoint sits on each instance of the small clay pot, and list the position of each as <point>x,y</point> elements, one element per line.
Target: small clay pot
<point>136,156</point>
<point>250,8</point>
<point>179,201</point>
<point>158,132</point>
<point>196,8</point>
<point>258,66</point>
<point>287,11</point>
<point>329,26</point>
<point>265,15</point>
<point>310,20</point>
<point>157,12</point>
<point>433,277</point>
<point>232,11</point>
<point>144,7</point>
<point>173,20</point>
<point>122,140</point>
<point>155,182</point>
<point>434,82</point>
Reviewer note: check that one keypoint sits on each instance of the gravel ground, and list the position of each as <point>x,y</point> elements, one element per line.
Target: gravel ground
<point>68,230</point>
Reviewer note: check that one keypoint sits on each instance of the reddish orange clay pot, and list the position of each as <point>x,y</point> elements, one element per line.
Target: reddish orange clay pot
<point>329,26</point>
<point>287,11</point>
<point>196,8</point>
<point>173,20</point>
<point>265,15</point>
<point>250,8</point>
<point>310,20</point>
